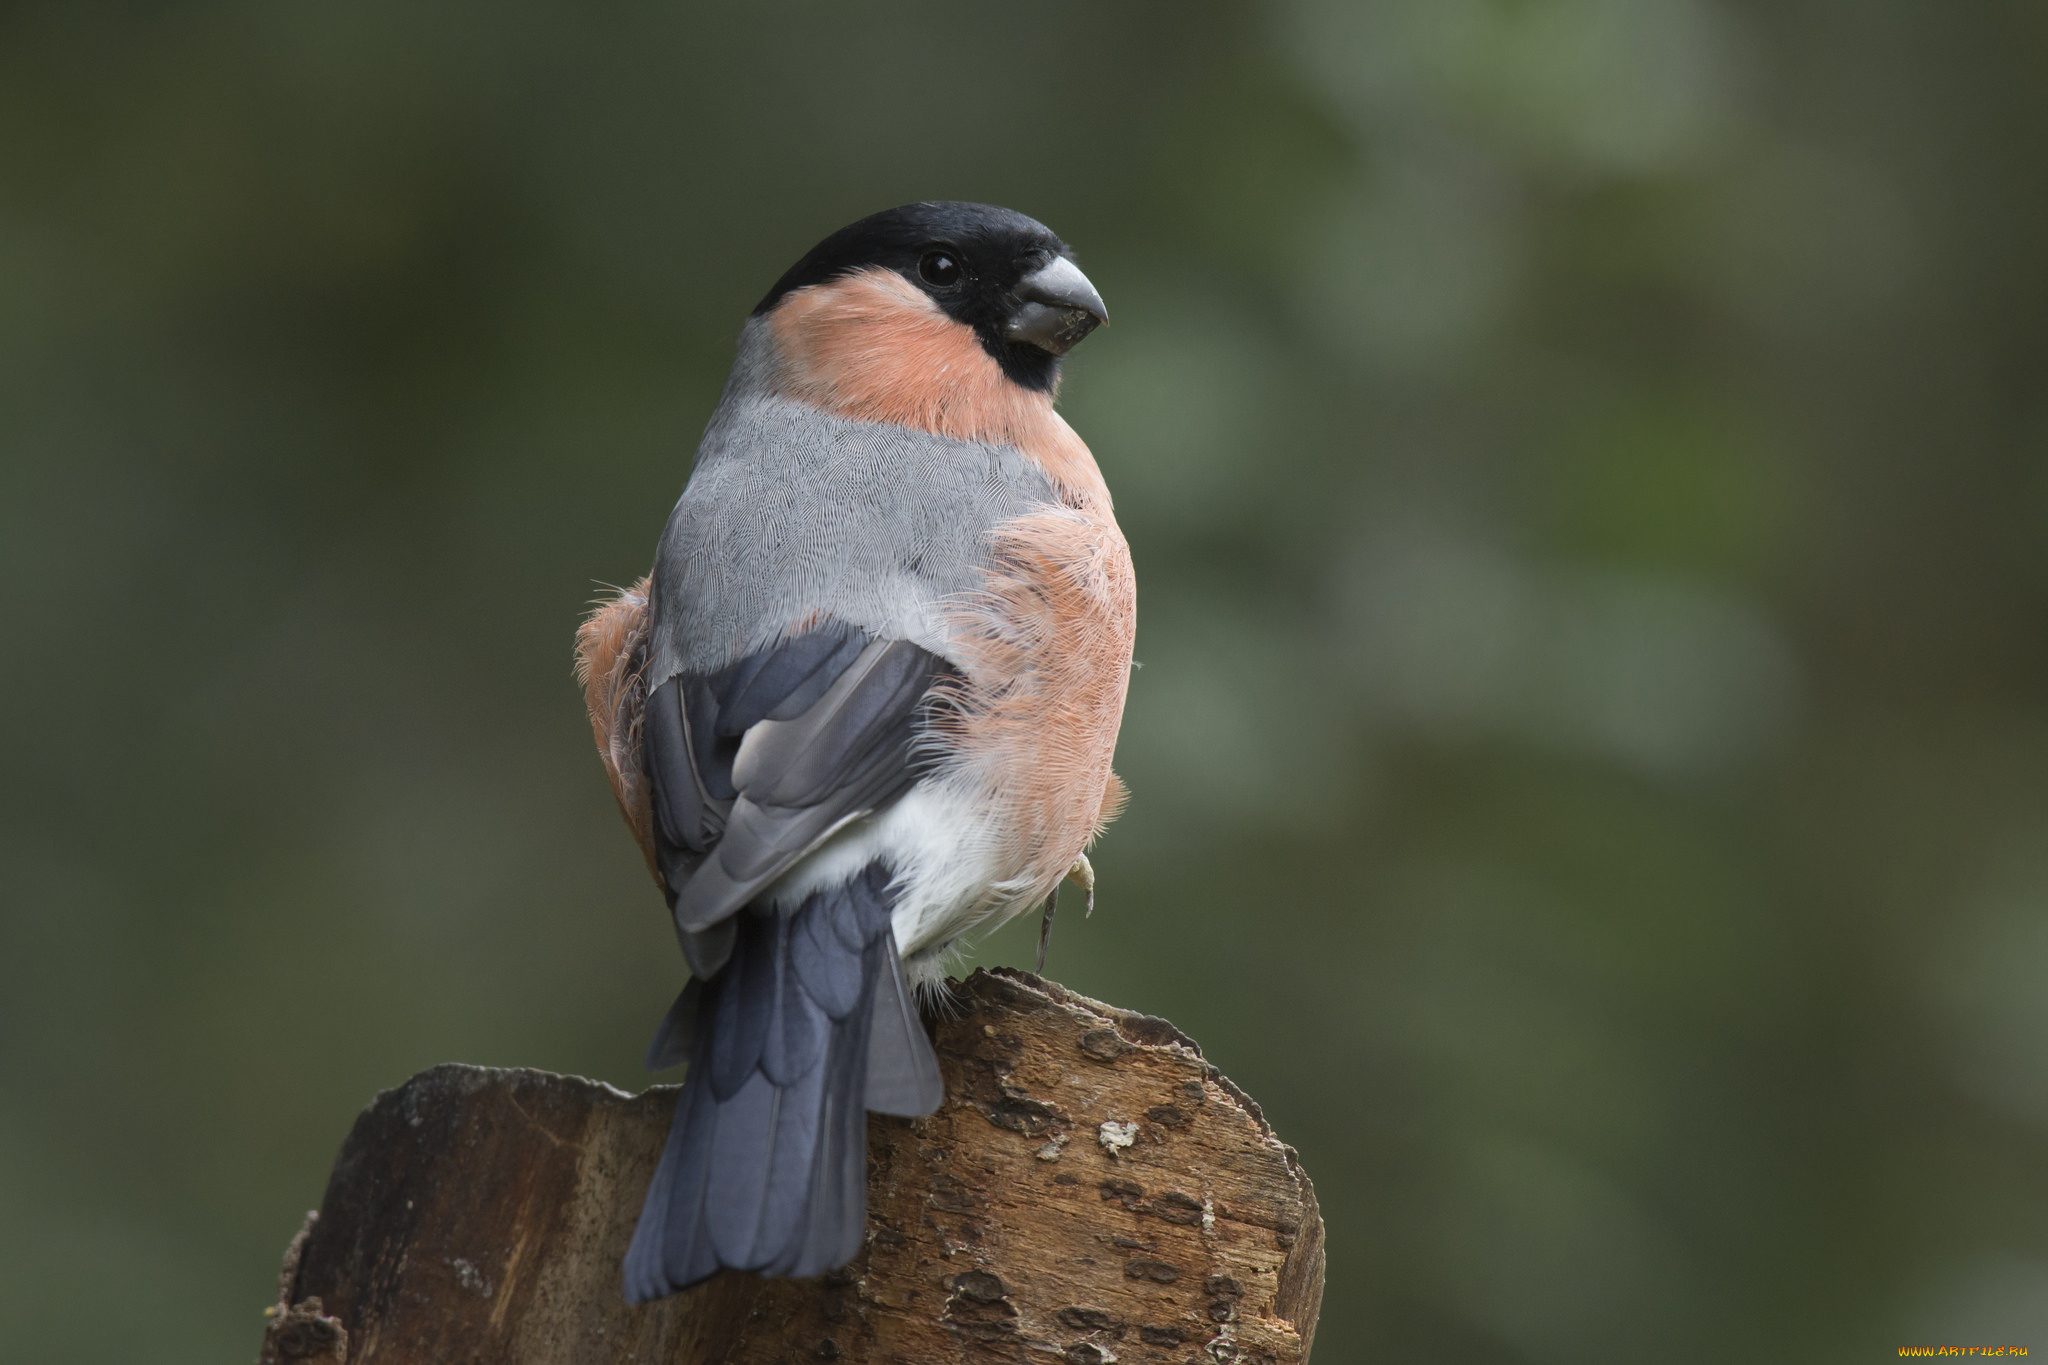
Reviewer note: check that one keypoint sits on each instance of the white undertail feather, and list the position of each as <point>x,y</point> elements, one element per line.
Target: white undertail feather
<point>945,841</point>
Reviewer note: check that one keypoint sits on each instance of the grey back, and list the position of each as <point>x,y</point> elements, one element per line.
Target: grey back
<point>791,513</point>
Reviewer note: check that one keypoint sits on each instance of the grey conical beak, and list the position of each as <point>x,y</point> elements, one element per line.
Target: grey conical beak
<point>1057,306</point>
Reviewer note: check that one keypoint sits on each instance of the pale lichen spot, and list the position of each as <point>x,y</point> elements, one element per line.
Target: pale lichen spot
<point>1115,1136</point>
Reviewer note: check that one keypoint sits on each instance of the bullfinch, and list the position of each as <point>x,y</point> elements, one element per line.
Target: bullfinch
<point>864,704</point>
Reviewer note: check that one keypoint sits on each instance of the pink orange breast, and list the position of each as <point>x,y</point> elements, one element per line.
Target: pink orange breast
<point>873,346</point>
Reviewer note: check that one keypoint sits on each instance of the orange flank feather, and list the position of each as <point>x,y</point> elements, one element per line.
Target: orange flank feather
<point>1046,646</point>
<point>611,651</point>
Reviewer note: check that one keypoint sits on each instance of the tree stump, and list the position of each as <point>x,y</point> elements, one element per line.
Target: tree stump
<point>1091,1191</point>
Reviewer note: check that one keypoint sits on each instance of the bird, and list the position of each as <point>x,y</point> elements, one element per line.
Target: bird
<point>863,706</point>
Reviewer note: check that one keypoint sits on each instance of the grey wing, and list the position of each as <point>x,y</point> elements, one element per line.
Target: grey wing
<point>759,763</point>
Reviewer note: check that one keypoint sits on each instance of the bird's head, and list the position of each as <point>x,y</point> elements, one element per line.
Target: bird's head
<point>975,270</point>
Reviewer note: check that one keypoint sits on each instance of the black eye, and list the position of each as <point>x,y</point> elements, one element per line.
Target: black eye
<point>939,268</point>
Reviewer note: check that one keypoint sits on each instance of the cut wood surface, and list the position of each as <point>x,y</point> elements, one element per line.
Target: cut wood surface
<point>1091,1191</point>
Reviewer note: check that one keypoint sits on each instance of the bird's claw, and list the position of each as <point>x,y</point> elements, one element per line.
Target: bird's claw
<point>1081,874</point>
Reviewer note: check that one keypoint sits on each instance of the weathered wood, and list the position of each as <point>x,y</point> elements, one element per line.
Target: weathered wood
<point>1091,1191</point>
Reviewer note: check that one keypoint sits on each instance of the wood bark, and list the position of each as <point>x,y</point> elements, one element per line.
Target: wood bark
<point>1091,1191</point>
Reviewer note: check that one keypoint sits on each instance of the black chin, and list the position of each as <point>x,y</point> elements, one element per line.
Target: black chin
<point>1022,363</point>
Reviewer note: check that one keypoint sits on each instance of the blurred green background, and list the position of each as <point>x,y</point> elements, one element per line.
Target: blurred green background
<point>1587,462</point>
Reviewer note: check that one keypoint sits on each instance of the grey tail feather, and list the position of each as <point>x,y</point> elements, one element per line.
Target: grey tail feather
<point>807,1026</point>
<point>672,1041</point>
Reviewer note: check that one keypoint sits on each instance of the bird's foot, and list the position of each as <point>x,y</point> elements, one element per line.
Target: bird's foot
<point>1082,874</point>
